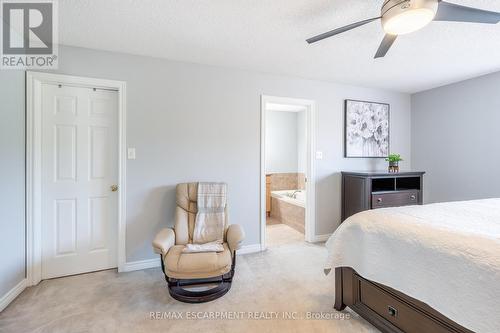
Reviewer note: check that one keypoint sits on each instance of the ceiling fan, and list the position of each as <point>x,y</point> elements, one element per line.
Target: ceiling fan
<point>400,17</point>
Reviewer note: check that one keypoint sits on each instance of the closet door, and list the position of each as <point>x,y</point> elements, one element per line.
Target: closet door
<point>80,173</point>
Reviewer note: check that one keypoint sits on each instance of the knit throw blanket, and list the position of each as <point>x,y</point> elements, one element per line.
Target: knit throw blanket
<point>210,219</point>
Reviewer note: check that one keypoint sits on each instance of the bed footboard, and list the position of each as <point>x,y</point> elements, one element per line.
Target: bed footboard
<point>339,300</point>
<point>387,309</point>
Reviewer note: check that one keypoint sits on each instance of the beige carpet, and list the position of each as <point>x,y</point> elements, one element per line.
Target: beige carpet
<point>285,283</point>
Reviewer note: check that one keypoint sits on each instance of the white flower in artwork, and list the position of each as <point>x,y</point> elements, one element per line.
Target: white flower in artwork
<point>367,129</point>
<point>368,126</point>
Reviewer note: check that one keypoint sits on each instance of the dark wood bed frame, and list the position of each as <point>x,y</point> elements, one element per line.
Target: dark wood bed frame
<point>387,309</point>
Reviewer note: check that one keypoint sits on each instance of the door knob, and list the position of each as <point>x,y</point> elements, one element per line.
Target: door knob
<point>114,188</point>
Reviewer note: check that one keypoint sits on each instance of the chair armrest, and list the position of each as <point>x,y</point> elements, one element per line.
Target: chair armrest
<point>164,240</point>
<point>234,237</point>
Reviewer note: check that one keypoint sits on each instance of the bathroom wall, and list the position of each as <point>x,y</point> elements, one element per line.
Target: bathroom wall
<point>301,141</point>
<point>286,146</point>
<point>281,142</point>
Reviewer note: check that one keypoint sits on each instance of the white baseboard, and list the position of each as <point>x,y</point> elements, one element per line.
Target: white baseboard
<point>153,263</point>
<point>141,264</point>
<point>246,249</point>
<point>321,238</point>
<point>12,294</point>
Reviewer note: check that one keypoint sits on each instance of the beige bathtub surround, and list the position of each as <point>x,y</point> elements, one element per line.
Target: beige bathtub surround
<point>283,181</point>
<point>287,181</point>
<point>272,221</point>
<point>289,214</point>
<point>288,277</point>
<point>301,181</point>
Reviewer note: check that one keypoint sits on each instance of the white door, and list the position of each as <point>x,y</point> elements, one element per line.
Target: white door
<point>79,167</point>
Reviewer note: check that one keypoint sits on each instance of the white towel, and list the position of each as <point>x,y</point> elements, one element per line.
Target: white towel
<point>210,219</point>
<point>207,247</point>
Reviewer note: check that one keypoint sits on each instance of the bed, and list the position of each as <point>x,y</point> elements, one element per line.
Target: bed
<point>431,268</point>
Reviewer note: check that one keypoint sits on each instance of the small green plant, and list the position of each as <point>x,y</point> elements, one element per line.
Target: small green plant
<point>394,158</point>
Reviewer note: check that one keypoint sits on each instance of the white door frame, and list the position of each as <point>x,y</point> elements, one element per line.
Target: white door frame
<point>310,221</point>
<point>34,81</point>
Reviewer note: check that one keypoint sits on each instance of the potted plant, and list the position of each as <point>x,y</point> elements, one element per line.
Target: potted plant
<point>394,160</point>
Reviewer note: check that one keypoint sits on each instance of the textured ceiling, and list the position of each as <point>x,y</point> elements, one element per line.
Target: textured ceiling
<point>269,36</point>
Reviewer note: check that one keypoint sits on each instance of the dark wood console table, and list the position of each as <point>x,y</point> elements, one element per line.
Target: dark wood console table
<point>366,190</point>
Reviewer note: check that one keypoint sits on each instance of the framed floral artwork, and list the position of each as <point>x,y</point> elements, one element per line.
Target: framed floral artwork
<point>366,129</point>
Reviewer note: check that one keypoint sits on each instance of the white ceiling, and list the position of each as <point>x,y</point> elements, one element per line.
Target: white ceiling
<point>269,36</point>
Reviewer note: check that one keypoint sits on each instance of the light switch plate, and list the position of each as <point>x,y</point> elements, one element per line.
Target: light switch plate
<point>319,155</point>
<point>131,153</point>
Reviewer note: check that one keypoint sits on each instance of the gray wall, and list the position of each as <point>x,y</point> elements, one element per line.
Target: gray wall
<point>281,142</point>
<point>192,123</point>
<point>455,138</point>
<point>11,179</point>
<point>301,141</point>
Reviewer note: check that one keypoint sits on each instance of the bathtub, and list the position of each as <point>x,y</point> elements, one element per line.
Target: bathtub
<point>288,207</point>
<point>295,197</point>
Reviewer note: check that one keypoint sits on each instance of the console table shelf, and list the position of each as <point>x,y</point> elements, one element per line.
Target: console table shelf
<point>378,189</point>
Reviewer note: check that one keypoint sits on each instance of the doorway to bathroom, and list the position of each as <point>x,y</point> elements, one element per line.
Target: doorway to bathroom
<point>287,171</point>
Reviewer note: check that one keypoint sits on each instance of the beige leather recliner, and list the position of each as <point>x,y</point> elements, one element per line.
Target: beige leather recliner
<point>192,269</point>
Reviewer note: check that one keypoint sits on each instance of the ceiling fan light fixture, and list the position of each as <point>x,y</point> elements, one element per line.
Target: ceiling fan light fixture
<point>404,17</point>
<point>409,21</point>
<point>399,17</point>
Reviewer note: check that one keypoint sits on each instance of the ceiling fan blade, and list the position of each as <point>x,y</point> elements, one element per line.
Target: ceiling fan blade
<point>385,45</point>
<point>339,30</point>
<point>457,13</point>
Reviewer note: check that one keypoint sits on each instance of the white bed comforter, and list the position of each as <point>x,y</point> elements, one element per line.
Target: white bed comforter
<point>446,255</point>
